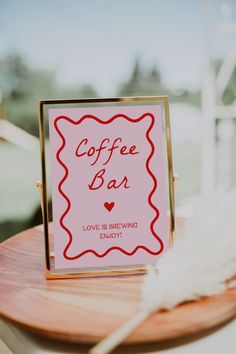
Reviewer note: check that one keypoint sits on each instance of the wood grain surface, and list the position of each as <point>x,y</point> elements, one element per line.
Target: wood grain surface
<point>87,310</point>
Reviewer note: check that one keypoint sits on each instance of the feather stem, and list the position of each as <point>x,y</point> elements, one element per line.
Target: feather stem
<point>115,338</point>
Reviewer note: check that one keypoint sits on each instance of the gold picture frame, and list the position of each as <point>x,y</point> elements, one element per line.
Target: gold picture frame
<point>42,184</point>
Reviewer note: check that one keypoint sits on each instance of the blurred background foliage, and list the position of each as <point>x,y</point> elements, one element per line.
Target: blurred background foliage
<point>22,85</point>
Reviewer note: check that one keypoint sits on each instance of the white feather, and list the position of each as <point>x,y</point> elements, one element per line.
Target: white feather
<point>202,259</point>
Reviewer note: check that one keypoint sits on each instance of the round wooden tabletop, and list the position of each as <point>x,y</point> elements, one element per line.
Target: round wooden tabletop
<point>86,310</point>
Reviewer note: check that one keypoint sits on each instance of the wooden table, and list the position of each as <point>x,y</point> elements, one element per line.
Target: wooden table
<point>83,311</point>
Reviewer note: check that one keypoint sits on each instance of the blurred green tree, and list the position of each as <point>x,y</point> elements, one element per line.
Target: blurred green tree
<point>21,88</point>
<point>150,83</point>
<point>141,84</point>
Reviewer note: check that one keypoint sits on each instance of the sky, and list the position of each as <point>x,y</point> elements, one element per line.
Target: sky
<point>97,41</point>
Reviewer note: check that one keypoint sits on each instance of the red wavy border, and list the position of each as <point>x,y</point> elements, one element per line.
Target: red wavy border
<point>88,116</point>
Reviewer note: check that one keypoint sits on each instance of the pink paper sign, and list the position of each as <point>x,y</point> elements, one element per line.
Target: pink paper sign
<point>108,186</point>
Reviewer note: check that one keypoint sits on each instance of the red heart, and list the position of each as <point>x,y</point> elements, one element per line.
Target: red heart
<point>109,206</point>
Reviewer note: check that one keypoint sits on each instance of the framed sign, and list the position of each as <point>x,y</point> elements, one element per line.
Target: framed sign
<point>111,180</point>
